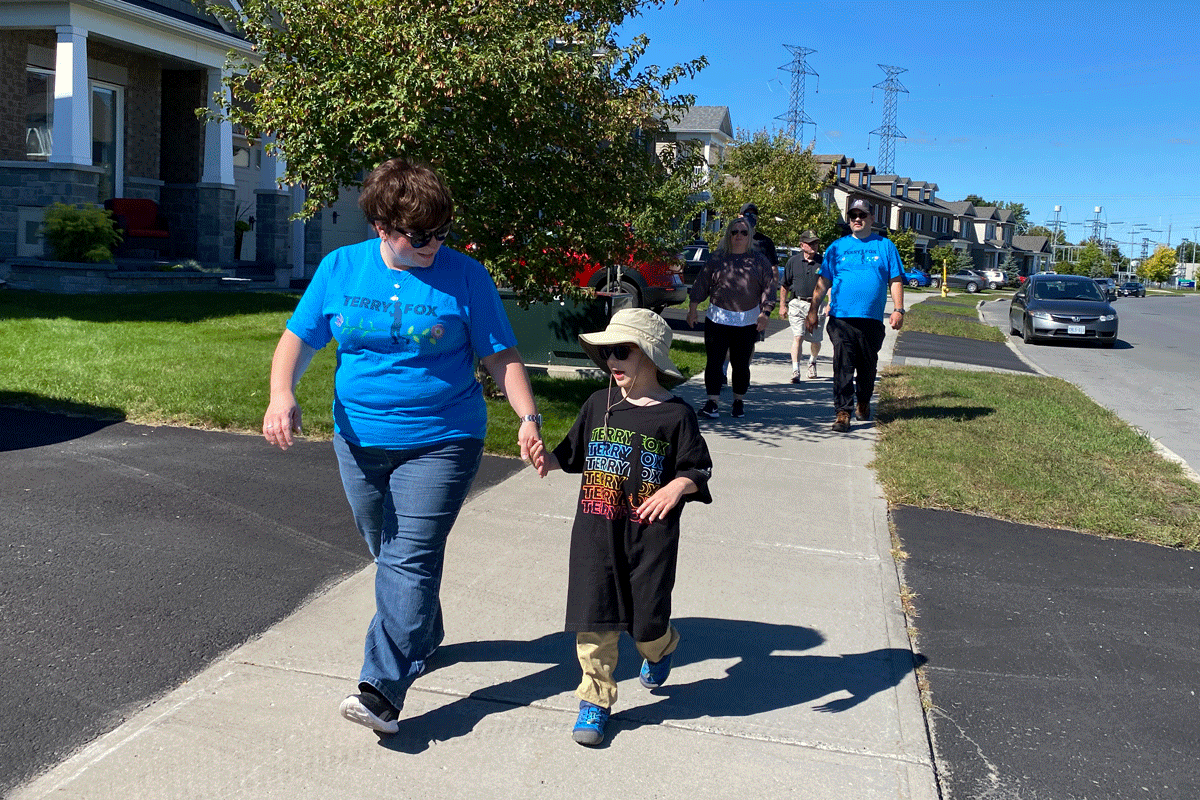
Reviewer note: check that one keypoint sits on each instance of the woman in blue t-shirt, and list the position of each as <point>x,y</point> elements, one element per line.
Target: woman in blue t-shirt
<point>409,317</point>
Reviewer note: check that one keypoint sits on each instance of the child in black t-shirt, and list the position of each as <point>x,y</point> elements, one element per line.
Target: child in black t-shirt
<point>640,451</point>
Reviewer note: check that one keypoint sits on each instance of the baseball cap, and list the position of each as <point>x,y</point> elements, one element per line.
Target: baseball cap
<point>859,205</point>
<point>749,208</point>
<point>809,236</point>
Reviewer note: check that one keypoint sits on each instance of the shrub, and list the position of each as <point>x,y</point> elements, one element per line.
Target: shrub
<point>80,233</point>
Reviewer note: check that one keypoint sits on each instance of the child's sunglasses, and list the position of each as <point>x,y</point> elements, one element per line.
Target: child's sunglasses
<point>620,351</point>
<point>419,239</point>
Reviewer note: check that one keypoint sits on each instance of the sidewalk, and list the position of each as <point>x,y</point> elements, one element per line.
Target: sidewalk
<point>794,677</point>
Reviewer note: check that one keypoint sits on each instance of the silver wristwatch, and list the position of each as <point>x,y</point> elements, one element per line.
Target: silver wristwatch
<point>536,419</point>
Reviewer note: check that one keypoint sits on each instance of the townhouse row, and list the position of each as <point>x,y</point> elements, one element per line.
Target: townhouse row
<point>985,234</point>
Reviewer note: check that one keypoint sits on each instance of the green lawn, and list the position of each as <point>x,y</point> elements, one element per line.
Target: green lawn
<point>1017,447</point>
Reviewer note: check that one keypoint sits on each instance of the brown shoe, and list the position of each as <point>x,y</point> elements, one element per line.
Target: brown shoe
<point>864,411</point>
<point>842,423</point>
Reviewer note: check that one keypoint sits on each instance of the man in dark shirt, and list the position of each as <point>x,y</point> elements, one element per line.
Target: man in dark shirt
<point>761,240</point>
<point>799,279</point>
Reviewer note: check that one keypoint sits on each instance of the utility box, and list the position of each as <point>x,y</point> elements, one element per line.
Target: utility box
<point>548,333</point>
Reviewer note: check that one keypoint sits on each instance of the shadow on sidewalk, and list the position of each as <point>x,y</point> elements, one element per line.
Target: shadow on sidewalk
<point>775,413</point>
<point>769,674</point>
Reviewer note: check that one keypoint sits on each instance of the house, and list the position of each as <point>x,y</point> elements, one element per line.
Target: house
<point>708,129</point>
<point>99,100</point>
<point>1032,253</point>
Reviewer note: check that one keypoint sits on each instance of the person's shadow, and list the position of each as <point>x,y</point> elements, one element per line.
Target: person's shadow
<point>769,674</point>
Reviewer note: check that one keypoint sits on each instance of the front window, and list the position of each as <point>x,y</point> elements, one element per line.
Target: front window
<point>39,114</point>
<point>106,138</point>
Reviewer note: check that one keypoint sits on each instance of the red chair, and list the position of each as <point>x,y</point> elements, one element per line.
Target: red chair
<point>142,226</point>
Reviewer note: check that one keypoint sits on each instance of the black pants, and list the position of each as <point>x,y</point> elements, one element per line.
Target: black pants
<point>736,341</point>
<point>856,345</point>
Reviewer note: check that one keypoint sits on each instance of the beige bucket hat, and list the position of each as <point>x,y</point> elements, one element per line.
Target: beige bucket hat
<point>642,327</point>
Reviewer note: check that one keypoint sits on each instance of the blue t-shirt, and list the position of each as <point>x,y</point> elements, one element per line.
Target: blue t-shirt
<point>859,271</point>
<point>405,340</point>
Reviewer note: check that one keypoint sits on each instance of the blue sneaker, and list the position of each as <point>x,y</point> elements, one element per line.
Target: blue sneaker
<point>589,726</point>
<point>655,674</point>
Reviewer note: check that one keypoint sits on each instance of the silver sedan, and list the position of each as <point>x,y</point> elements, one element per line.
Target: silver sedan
<point>1071,307</point>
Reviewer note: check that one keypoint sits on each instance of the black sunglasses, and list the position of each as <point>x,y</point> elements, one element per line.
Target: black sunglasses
<point>619,351</point>
<point>419,239</point>
<point>859,216</point>
<point>739,232</point>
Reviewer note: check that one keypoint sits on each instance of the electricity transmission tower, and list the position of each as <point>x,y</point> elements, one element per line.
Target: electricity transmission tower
<point>795,117</point>
<point>888,132</point>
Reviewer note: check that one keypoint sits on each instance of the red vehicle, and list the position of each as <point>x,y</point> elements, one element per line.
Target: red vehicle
<point>654,283</point>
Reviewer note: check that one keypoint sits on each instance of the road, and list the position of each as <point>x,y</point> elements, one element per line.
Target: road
<point>133,556</point>
<point>1148,379</point>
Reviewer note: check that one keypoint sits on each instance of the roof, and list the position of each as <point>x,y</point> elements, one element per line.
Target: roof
<point>959,207</point>
<point>1032,244</point>
<point>704,119</point>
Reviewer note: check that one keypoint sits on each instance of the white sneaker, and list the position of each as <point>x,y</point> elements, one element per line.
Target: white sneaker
<point>812,369</point>
<point>355,709</point>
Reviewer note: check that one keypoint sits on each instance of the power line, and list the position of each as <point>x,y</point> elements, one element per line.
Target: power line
<point>795,117</point>
<point>888,132</point>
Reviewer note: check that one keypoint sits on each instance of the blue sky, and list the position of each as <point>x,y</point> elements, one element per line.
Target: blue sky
<point>1077,104</point>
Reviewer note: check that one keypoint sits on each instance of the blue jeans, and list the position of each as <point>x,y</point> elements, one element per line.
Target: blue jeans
<point>404,504</point>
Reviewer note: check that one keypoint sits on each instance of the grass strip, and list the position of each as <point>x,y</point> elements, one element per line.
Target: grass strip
<point>1027,449</point>
<point>951,316</point>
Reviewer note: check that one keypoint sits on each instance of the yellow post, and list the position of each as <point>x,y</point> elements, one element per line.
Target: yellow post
<point>945,289</point>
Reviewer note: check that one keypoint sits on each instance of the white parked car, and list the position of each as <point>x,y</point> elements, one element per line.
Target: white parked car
<point>995,278</point>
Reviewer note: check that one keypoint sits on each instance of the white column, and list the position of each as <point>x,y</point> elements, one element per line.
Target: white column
<point>270,175</point>
<point>72,99</point>
<point>218,137</point>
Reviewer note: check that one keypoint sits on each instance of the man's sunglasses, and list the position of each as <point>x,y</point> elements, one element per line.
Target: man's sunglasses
<point>419,239</point>
<point>739,232</point>
<point>619,351</point>
<point>859,216</point>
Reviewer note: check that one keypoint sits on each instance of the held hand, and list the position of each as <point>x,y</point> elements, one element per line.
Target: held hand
<point>537,458</point>
<point>527,436</point>
<point>281,420</point>
<point>659,504</point>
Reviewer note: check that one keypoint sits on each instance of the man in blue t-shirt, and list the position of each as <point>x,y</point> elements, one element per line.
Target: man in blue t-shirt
<point>860,269</point>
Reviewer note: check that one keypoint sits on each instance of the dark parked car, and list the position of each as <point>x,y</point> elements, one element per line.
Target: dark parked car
<point>695,256</point>
<point>970,279</point>
<point>1108,287</point>
<point>1132,289</point>
<point>1062,307</point>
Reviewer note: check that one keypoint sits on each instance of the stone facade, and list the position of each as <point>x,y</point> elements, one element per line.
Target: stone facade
<point>37,184</point>
<point>271,227</point>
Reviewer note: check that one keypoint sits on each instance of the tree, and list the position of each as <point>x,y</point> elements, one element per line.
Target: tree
<point>1160,267</point>
<point>1118,261</point>
<point>905,242</point>
<point>1055,237</point>
<point>783,180</point>
<point>1092,262</point>
<point>1011,268</point>
<point>544,130</point>
<point>953,259</point>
